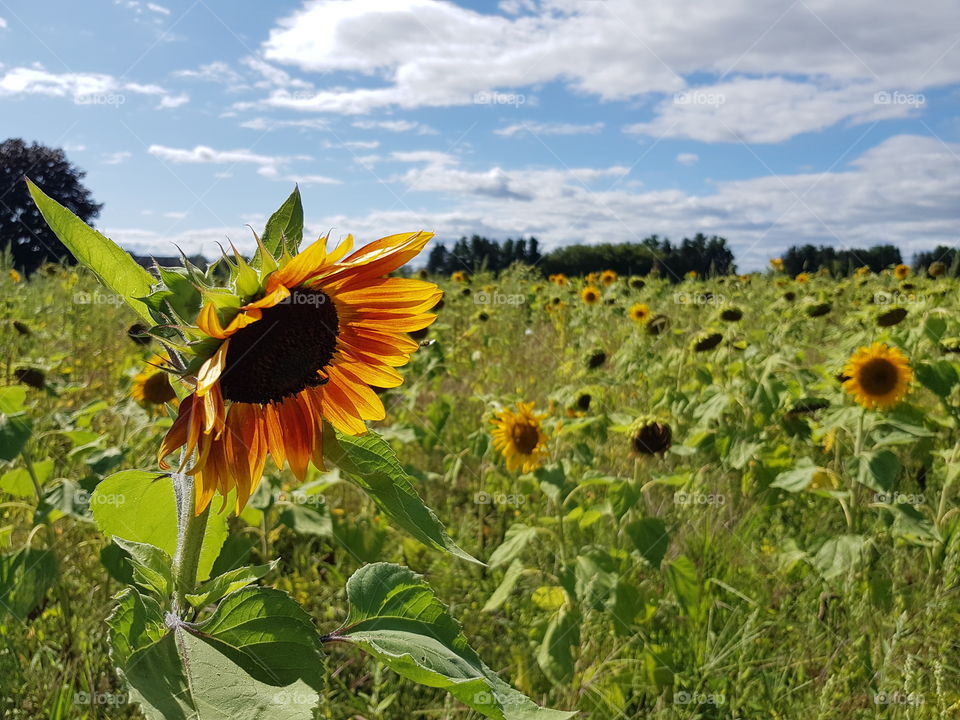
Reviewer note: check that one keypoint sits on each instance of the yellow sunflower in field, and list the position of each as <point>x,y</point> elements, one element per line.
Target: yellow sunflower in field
<point>559,279</point>
<point>519,437</point>
<point>319,330</point>
<point>152,388</point>
<point>14,276</point>
<point>777,264</point>
<point>877,376</point>
<point>640,313</point>
<point>459,276</point>
<point>608,277</point>
<point>862,271</point>
<point>590,295</point>
<point>901,271</point>
<point>803,278</point>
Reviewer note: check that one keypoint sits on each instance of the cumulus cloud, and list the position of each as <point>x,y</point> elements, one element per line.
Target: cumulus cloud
<point>396,126</point>
<point>3,23</point>
<point>431,53</point>
<point>688,159</point>
<point>115,158</point>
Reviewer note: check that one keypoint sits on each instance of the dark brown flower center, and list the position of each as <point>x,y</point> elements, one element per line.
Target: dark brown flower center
<point>878,376</point>
<point>525,437</point>
<point>652,438</point>
<point>157,389</point>
<point>281,353</point>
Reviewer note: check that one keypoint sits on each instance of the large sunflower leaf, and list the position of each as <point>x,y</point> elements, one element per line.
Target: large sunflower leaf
<point>227,667</point>
<point>25,577</point>
<point>114,266</point>
<point>370,463</point>
<point>141,506</point>
<point>395,616</point>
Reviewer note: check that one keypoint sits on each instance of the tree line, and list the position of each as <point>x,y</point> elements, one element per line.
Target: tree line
<point>25,236</point>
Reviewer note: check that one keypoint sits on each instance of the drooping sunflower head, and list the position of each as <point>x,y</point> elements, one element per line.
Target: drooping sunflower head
<point>650,436</point>
<point>291,346</point>
<point>877,376</point>
<point>608,277</point>
<point>31,376</point>
<point>658,324</point>
<point>818,309</point>
<point>640,313</point>
<point>901,271</point>
<point>637,283</point>
<point>138,334</point>
<point>706,341</point>
<point>891,317</point>
<point>731,314</point>
<point>21,327</point>
<point>937,268</point>
<point>519,437</point>
<point>590,295</point>
<point>152,387</point>
<point>596,358</point>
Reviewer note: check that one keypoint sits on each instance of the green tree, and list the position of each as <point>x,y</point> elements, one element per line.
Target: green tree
<point>23,231</point>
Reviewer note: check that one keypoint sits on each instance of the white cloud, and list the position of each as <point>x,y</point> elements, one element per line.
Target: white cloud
<point>173,101</point>
<point>430,53</point>
<point>541,128</point>
<point>268,166</point>
<point>160,9</point>
<point>115,158</point>
<point>262,123</point>
<point>312,180</point>
<point>74,148</point>
<point>175,215</point>
<point>397,126</point>
<point>3,23</point>
<point>82,88</point>
<point>216,72</point>
<point>688,159</point>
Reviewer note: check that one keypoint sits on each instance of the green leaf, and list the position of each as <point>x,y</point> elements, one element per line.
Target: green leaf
<point>25,577</point>
<point>231,581</point>
<point>649,536</point>
<point>18,482</point>
<point>556,656</point>
<point>395,616</point>
<point>517,538</point>
<point>685,582</point>
<point>839,556</point>
<point>113,265</point>
<point>913,526</point>
<point>12,399</point>
<point>939,377</point>
<point>307,519</point>
<point>799,478</point>
<point>370,463</point>
<point>15,430</point>
<point>877,470</point>
<point>184,298</point>
<point>141,506</point>
<point>151,566</point>
<point>176,671</point>
<point>506,586</point>
<point>284,231</point>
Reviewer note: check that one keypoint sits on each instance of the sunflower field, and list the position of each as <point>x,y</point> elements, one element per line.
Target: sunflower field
<point>315,483</point>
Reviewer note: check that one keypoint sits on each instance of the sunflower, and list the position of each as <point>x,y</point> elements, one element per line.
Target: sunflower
<point>138,334</point>
<point>658,324</point>
<point>559,279</point>
<point>608,277</point>
<point>731,314</point>
<point>862,271</point>
<point>802,277</point>
<point>14,276</point>
<point>649,436</point>
<point>519,437</point>
<point>459,276</point>
<point>777,264</point>
<point>151,386</point>
<point>692,275</point>
<point>302,346</point>
<point>640,313</point>
<point>937,269</point>
<point>590,295</point>
<point>901,271</point>
<point>877,376</point>
<point>891,317</point>
<point>706,341</point>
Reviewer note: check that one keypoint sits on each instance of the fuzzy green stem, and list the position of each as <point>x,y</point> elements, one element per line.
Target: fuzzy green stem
<point>190,531</point>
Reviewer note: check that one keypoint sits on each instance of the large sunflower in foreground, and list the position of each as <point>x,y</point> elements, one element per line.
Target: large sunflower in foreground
<point>877,376</point>
<point>519,437</point>
<point>302,348</point>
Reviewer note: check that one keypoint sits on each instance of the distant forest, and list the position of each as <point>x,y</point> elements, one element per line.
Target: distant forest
<point>707,256</point>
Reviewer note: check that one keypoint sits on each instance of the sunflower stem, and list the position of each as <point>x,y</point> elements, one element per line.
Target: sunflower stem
<point>190,531</point>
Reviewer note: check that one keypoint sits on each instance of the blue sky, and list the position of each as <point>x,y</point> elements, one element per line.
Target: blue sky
<point>769,122</point>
